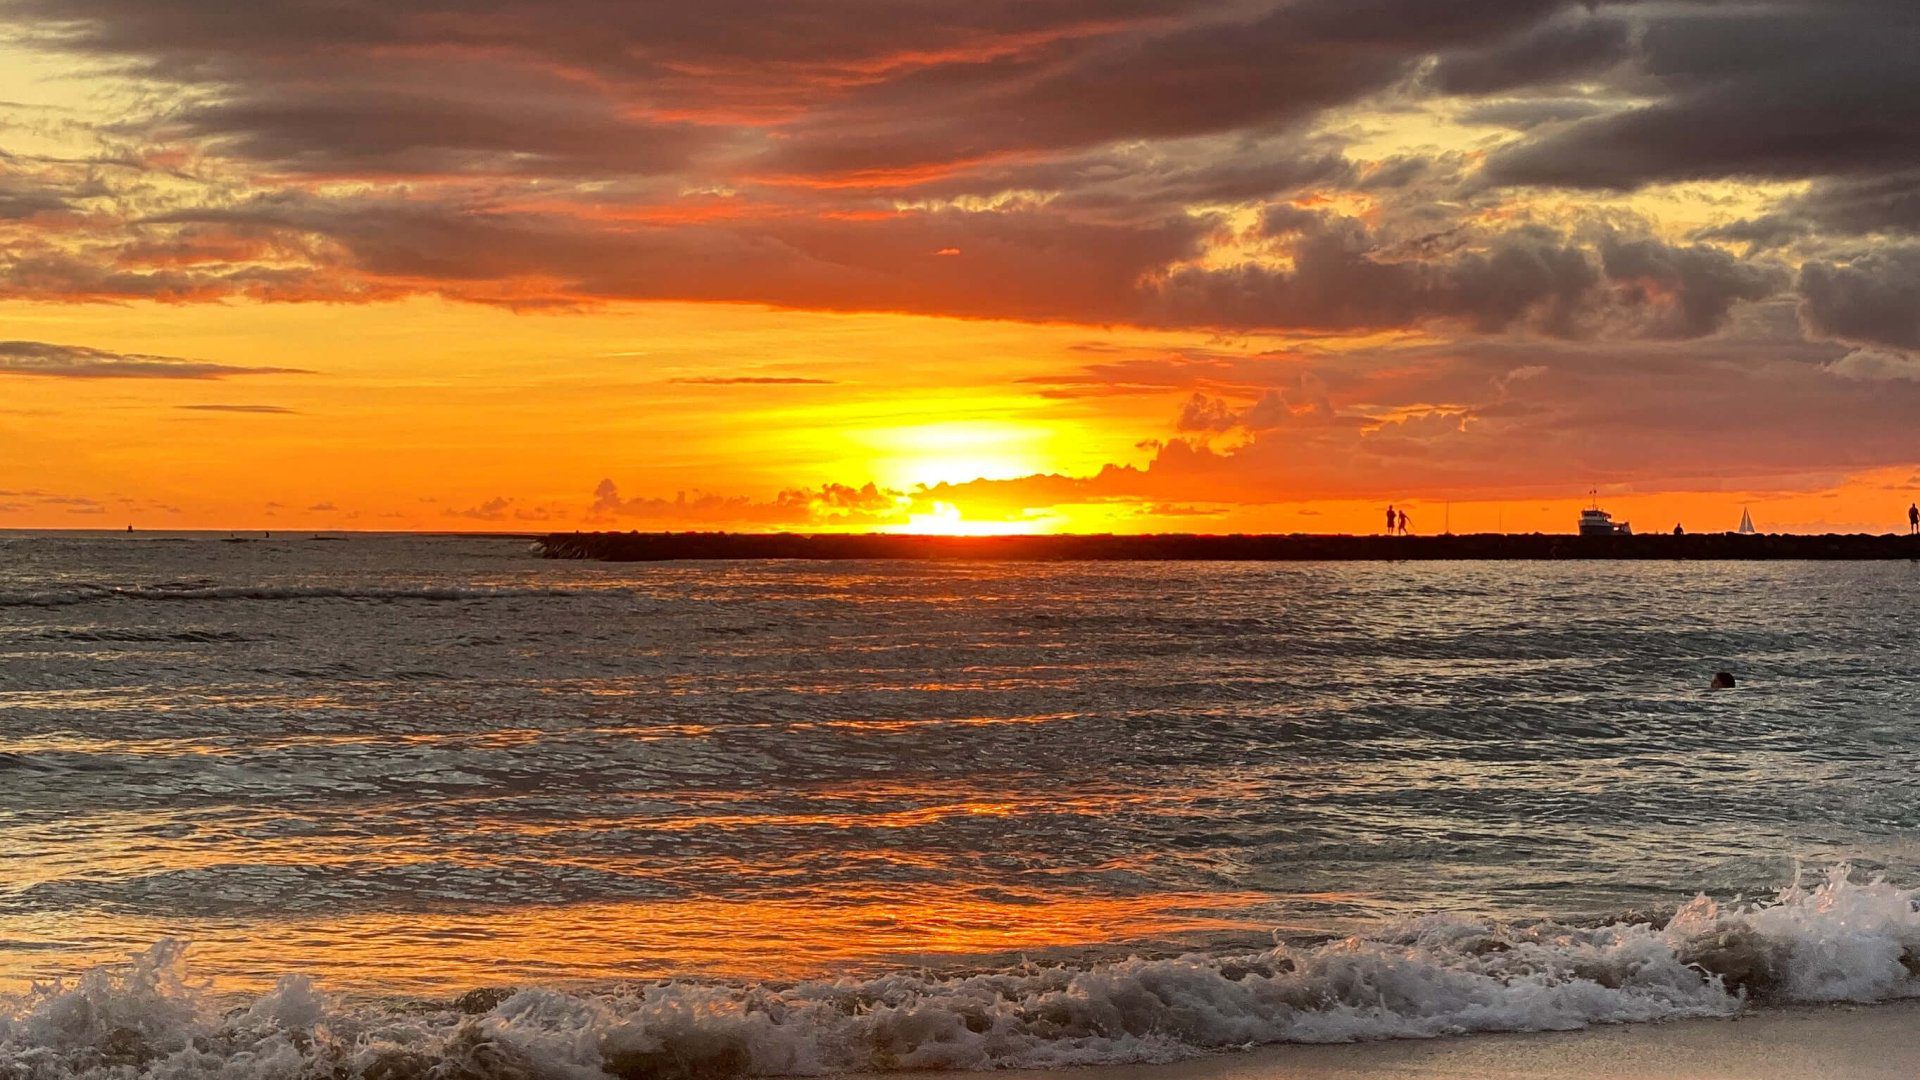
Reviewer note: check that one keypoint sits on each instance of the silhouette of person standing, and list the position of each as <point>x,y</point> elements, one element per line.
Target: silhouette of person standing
<point>1389,521</point>
<point>1913,518</point>
<point>1403,523</point>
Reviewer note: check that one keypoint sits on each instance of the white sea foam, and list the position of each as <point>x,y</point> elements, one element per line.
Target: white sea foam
<point>1838,940</point>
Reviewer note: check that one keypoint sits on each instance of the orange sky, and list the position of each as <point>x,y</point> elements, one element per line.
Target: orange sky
<point>1149,265</point>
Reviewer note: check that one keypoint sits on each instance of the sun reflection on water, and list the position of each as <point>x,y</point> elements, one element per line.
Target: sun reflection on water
<point>773,938</point>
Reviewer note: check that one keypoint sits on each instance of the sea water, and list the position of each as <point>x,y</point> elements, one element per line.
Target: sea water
<point>396,806</point>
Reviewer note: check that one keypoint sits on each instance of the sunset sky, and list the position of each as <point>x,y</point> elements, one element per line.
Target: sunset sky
<point>992,265</point>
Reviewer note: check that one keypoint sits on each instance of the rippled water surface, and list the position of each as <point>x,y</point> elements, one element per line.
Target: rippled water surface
<point>420,766</point>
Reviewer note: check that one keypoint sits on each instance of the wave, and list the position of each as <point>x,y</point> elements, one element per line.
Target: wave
<point>86,594</point>
<point>136,635</point>
<point>1837,941</point>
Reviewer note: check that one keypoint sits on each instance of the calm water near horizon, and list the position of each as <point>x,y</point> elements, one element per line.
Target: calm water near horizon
<point>410,767</point>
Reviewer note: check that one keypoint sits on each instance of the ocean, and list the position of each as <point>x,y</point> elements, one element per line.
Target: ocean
<point>397,806</point>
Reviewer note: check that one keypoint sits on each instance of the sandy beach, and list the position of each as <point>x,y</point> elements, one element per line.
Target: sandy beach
<point>1844,1042</point>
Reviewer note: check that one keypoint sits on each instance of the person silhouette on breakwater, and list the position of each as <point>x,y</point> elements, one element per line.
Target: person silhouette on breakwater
<point>1403,523</point>
<point>1389,521</point>
<point>1913,519</point>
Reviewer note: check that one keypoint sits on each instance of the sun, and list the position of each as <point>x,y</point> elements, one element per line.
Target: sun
<point>934,463</point>
<point>945,519</point>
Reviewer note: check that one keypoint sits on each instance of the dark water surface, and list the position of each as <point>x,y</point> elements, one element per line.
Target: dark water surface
<point>415,766</point>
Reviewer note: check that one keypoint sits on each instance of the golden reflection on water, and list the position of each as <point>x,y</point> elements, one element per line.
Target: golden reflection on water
<point>444,954</point>
<point>799,929</point>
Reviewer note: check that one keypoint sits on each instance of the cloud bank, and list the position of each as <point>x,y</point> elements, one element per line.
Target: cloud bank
<point>1621,239</point>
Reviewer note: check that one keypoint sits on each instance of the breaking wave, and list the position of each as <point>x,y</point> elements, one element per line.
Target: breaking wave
<point>1839,940</point>
<point>87,594</point>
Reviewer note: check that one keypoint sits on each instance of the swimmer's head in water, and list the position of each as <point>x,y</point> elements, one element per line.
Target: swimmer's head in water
<point>1722,680</point>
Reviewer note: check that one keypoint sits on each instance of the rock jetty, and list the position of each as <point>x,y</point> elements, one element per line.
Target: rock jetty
<point>657,547</point>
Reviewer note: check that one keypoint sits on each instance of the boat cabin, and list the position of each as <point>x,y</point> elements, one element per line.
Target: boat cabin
<point>1597,522</point>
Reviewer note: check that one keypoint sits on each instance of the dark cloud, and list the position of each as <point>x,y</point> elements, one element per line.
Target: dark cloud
<point>1769,232</point>
<point>1873,299</point>
<point>275,410</point>
<point>1858,205</point>
<point>38,187</point>
<point>1343,278</point>
<point>1394,175</point>
<point>21,199</point>
<point>97,274</point>
<point>1033,264</point>
<point>1231,70</point>
<point>847,88</point>
<point>404,132</point>
<point>1684,291</point>
<point>1144,180</point>
<point>1524,113</point>
<point>1012,264</point>
<point>1553,52</point>
<point>1076,160</point>
<point>79,362</point>
<point>1776,91</point>
<point>626,38</point>
<point>599,88</point>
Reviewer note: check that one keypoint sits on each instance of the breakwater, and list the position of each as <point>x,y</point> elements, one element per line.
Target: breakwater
<point>656,547</point>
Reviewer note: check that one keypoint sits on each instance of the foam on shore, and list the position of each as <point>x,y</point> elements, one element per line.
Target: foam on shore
<point>1837,941</point>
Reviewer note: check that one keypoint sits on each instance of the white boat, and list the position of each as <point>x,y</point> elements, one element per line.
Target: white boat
<point>1597,522</point>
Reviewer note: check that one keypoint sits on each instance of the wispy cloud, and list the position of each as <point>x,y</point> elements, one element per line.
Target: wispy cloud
<point>264,409</point>
<point>502,508</point>
<point>47,360</point>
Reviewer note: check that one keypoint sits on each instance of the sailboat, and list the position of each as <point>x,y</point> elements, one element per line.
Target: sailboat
<point>1746,523</point>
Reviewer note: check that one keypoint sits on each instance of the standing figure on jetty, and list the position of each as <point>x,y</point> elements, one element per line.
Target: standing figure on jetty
<point>1403,523</point>
<point>1913,519</point>
<point>1389,521</point>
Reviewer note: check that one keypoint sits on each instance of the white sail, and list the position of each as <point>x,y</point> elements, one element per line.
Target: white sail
<point>1746,523</point>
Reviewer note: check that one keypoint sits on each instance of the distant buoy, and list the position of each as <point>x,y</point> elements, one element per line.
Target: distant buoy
<point>1722,680</point>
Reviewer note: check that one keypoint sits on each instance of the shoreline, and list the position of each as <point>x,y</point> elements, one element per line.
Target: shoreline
<point>1176,547</point>
<point>1787,1042</point>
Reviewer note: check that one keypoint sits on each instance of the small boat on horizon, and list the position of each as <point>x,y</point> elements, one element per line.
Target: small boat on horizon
<point>1597,522</point>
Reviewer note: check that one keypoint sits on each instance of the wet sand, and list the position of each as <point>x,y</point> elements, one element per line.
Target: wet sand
<point>1870,1042</point>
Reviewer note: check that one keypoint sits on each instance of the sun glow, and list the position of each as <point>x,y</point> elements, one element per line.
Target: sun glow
<point>945,519</point>
<point>956,451</point>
